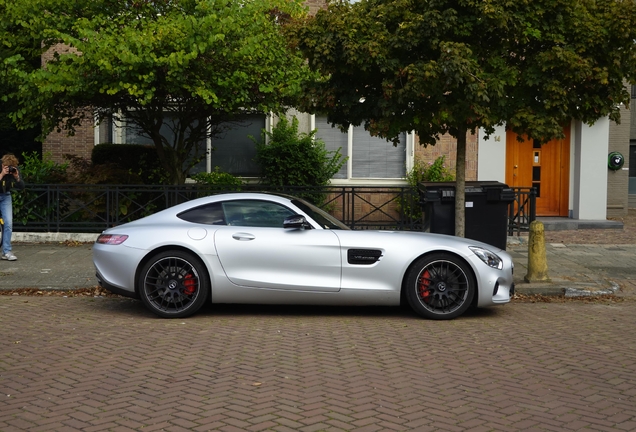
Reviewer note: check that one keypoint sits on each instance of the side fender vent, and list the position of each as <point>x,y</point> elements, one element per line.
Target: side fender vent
<point>363,256</point>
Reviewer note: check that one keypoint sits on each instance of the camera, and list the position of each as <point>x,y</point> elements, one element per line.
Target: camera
<point>12,170</point>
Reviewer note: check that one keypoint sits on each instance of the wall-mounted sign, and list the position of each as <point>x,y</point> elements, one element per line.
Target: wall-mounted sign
<point>615,161</point>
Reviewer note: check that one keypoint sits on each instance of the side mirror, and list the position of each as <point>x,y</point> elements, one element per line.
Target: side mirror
<point>296,221</point>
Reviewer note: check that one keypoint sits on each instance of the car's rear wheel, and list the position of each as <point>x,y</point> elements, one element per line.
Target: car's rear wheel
<point>173,284</point>
<point>440,286</point>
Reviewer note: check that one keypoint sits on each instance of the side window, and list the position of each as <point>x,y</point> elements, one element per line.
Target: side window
<point>253,213</point>
<point>209,214</point>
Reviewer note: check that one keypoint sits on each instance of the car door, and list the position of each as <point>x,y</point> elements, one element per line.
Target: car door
<point>256,251</point>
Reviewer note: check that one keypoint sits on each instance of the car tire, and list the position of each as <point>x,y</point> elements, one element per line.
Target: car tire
<point>440,286</point>
<point>173,284</point>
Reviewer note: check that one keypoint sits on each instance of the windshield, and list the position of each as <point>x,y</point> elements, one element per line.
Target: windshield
<point>324,219</point>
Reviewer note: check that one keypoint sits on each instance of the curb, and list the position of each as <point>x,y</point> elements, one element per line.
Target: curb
<point>574,292</point>
<point>56,237</point>
<point>560,289</point>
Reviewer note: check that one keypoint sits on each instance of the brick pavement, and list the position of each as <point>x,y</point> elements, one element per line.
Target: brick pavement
<point>106,364</point>
<point>97,364</point>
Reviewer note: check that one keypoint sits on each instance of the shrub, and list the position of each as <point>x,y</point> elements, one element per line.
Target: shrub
<point>36,170</point>
<point>30,204</point>
<point>219,180</point>
<point>83,171</point>
<point>291,159</point>
<point>139,160</point>
<point>435,171</point>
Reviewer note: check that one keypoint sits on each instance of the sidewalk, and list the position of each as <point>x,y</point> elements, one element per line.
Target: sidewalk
<point>52,266</point>
<point>64,262</point>
<point>579,269</point>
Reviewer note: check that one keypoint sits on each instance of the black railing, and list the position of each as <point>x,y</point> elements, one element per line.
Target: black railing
<point>522,210</point>
<point>93,208</point>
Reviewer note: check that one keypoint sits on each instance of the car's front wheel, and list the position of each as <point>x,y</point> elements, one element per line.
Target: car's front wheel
<point>173,284</point>
<point>440,286</point>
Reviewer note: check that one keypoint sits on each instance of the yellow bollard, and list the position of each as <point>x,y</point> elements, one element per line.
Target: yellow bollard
<point>537,262</point>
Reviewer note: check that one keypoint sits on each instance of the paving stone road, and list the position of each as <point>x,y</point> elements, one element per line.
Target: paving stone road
<point>106,364</point>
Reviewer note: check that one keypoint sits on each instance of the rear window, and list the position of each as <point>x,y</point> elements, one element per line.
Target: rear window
<point>209,214</point>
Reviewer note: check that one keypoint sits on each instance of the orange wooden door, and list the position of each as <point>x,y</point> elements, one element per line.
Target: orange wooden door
<point>546,167</point>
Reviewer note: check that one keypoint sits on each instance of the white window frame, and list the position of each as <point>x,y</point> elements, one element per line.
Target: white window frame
<point>118,138</point>
<point>369,181</point>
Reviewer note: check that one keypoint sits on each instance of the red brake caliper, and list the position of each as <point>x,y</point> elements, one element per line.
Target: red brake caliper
<point>189,284</point>
<point>425,283</point>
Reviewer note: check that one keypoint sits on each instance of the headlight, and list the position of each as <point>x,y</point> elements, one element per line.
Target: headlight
<point>489,258</point>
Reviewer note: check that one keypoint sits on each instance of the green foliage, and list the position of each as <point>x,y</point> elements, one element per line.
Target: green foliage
<point>126,155</point>
<point>42,170</point>
<point>118,170</point>
<point>13,140</point>
<point>30,204</point>
<point>455,66</point>
<point>140,164</point>
<point>293,159</point>
<point>186,66</point>
<point>422,171</point>
<point>83,171</point>
<point>435,171</point>
<point>219,180</point>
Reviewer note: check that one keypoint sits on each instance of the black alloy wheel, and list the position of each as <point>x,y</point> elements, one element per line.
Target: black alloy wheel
<point>174,284</point>
<point>440,286</point>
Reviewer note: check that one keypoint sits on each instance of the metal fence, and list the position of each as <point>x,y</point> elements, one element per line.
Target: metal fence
<point>522,210</point>
<point>93,208</point>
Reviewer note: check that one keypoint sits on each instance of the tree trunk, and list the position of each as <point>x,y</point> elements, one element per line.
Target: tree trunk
<point>460,186</point>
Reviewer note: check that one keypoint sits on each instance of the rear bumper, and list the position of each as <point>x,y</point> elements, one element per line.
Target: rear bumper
<point>113,289</point>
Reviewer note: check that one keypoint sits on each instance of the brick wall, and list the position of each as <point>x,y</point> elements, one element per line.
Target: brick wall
<point>315,5</point>
<point>447,145</point>
<point>617,181</point>
<point>58,144</point>
<point>632,116</point>
<point>81,144</point>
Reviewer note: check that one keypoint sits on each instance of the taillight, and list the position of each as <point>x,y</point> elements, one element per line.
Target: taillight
<point>111,239</point>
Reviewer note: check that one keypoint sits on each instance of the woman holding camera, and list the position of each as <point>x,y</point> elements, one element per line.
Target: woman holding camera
<point>9,179</point>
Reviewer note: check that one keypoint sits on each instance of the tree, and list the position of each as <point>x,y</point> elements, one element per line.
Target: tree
<point>14,140</point>
<point>454,66</point>
<point>187,66</point>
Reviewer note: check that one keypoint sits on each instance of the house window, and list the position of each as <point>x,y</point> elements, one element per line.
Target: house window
<point>334,139</point>
<point>233,151</point>
<point>374,157</point>
<point>370,157</point>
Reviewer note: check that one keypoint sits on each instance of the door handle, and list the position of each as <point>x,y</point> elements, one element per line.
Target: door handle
<point>243,236</point>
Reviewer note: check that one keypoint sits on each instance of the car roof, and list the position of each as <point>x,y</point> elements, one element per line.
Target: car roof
<point>230,196</point>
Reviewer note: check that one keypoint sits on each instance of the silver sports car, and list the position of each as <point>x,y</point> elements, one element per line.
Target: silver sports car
<point>274,249</point>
